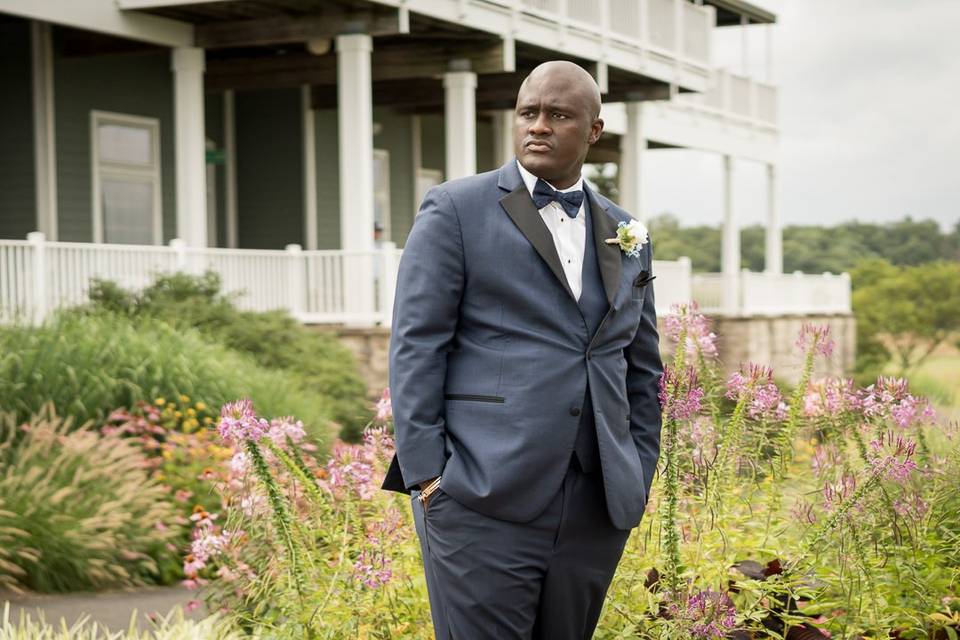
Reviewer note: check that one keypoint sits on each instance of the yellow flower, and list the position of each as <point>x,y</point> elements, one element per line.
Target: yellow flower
<point>177,414</point>
<point>201,406</point>
<point>159,402</point>
<point>184,398</point>
<point>191,411</point>
<point>207,420</point>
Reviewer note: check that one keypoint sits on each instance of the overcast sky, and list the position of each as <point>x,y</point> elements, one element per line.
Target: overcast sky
<point>869,108</point>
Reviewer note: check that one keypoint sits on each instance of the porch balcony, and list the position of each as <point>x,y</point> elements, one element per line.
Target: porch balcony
<point>37,276</point>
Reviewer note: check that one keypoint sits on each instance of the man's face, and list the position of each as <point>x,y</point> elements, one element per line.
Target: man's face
<point>554,128</point>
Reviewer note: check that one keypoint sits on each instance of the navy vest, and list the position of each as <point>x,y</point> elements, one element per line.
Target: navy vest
<point>593,306</point>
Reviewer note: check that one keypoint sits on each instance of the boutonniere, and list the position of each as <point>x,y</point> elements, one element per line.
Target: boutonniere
<point>631,236</point>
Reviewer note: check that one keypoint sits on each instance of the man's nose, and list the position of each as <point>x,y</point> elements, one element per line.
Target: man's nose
<point>541,125</point>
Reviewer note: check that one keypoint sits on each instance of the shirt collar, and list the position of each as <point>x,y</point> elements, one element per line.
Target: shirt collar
<point>530,181</point>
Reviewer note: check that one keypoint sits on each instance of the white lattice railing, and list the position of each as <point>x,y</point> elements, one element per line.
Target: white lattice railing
<point>737,97</point>
<point>675,28</point>
<point>342,287</point>
<point>772,294</point>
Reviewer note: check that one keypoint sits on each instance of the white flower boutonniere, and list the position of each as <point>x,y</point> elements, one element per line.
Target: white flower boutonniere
<point>631,236</point>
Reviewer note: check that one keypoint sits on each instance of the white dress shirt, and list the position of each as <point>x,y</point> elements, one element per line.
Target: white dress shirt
<point>569,234</point>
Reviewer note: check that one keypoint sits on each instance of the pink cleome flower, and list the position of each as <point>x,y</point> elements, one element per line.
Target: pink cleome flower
<point>816,337</point>
<point>708,614</point>
<point>680,393</point>
<point>891,456</point>
<point>754,384</point>
<point>699,337</point>
<point>384,407</point>
<point>238,422</point>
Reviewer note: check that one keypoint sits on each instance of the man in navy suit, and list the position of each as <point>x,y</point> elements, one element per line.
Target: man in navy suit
<point>524,365</point>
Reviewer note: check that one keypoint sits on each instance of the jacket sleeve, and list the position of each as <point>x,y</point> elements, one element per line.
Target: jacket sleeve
<point>644,368</point>
<point>430,280</point>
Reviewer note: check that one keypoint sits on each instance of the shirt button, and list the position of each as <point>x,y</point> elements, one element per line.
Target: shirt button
<point>574,411</point>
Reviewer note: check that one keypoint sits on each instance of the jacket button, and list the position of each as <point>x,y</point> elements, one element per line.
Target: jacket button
<point>574,411</point>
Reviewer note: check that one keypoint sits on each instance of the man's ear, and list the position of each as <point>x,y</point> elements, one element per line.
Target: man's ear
<point>595,130</point>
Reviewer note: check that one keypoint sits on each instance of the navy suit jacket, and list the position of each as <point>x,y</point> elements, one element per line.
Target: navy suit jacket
<point>489,356</point>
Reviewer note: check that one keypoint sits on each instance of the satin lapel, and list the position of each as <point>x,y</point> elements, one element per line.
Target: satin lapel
<point>608,255</point>
<point>519,206</point>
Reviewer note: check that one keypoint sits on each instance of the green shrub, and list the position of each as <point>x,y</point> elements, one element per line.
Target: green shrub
<point>89,365</point>
<point>274,338</point>
<point>80,506</point>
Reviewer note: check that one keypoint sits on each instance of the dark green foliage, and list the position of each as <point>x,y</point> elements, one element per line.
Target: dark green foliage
<point>274,338</point>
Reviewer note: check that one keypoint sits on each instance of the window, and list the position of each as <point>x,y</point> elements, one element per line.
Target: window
<point>381,194</point>
<point>125,154</point>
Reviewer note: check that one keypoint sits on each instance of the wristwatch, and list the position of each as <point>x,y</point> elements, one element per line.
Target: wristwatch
<point>429,489</point>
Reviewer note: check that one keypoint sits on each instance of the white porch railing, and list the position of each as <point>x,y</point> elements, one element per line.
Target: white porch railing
<point>315,286</point>
<point>774,294</point>
<point>338,287</point>
<point>737,97</point>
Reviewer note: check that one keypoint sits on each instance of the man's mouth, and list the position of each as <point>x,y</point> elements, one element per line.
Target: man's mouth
<point>537,146</point>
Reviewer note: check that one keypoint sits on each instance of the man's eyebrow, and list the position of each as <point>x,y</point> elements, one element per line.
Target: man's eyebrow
<point>558,106</point>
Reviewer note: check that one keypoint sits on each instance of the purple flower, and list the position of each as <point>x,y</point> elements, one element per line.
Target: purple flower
<point>239,422</point>
<point>680,394</point>
<point>835,493</point>
<point>708,614</point>
<point>815,337</point>
<point>373,568</point>
<point>286,427</point>
<point>891,455</point>
<point>912,508</point>
<point>754,385</point>
<point>384,407</point>
<point>699,337</point>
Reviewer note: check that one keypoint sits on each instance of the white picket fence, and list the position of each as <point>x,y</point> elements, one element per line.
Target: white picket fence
<point>338,287</point>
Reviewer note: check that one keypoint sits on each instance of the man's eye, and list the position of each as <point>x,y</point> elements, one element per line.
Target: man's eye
<point>559,116</point>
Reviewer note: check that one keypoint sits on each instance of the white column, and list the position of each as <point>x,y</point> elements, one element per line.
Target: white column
<point>309,171</point>
<point>190,141</point>
<point>730,250</point>
<point>44,138</point>
<point>460,122</point>
<point>773,262</point>
<point>632,145</point>
<point>502,136</point>
<point>230,168</point>
<point>355,127</point>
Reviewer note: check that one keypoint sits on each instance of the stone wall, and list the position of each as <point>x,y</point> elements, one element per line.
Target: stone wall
<point>764,340</point>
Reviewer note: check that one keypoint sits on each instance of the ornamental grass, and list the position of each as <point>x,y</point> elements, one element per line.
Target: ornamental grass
<point>173,626</point>
<point>77,509</point>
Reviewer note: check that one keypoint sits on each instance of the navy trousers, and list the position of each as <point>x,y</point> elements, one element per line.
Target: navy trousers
<point>490,579</point>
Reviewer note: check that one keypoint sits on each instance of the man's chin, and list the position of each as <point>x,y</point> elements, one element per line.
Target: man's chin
<point>539,164</point>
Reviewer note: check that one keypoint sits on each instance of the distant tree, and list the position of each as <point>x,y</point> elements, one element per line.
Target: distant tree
<point>904,312</point>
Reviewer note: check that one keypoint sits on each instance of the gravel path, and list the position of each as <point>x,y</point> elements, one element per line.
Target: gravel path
<point>112,609</point>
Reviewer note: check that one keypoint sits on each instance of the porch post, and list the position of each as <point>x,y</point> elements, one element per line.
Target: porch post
<point>730,251</point>
<point>44,139</point>
<point>190,142</point>
<point>309,171</point>
<point>774,256</point>
<point>502,135</point>
<point>632,145</point>
<point>460,122</point>
<point>355,128</point>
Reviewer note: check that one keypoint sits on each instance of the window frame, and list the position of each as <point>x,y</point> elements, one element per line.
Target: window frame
<point>100,169</point>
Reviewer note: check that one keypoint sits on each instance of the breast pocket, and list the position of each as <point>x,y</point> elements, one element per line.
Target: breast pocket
<point>640,283</point>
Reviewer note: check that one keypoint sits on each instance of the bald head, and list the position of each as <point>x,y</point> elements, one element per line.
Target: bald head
<point>577,79</point>
<point>556,121</point>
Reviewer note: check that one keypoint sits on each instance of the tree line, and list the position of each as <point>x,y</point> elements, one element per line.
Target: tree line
<point>810,248</point>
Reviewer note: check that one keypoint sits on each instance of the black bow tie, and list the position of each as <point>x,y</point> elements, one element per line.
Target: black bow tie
<point>544,194</point>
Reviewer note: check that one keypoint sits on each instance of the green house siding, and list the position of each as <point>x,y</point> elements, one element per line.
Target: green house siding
<point>138,84</point>
<point>213,124</point>
<point>269,168</point>
<point>328,179</point>
<point>396,137</point>
<point>18,214</point>
<point>432,141</point>
<point>485,159</point>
